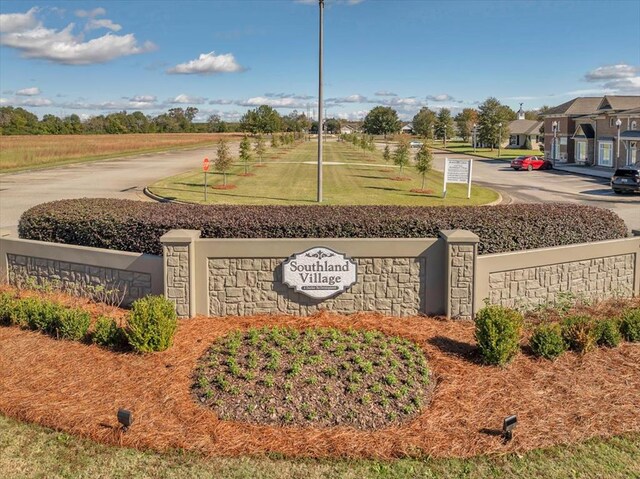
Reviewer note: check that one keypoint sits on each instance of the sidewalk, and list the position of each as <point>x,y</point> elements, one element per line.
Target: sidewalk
<point>584,170</point>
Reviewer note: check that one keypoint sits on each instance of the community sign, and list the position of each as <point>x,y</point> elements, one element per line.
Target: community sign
<point>457,171</point>
<point>319,272</point>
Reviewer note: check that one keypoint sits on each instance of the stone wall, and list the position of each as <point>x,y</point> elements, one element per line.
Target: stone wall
<point>110,284</point>
<point>177,285</point>
<point>461,271</point>
<point>593,278</point>
<point>239,286</point>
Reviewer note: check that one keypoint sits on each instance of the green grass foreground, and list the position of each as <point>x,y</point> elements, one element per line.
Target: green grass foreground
<point>467,149</point>
<point>28,451</point>
<point>351,177</point>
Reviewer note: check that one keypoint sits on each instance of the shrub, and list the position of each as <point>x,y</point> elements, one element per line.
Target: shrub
<point>72,324</point>
<point>609,333</point>
<point>580,332</point>
<point>106,332</point>
<point>547,341</point>
<point>42,314</point>
<point>151,324</point>
<point>630,324</point>
<point>137,226</point>
<point>498,333</point>
<point>7,306</point>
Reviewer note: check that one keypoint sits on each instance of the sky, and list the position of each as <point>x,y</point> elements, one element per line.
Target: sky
<point>225,57</point>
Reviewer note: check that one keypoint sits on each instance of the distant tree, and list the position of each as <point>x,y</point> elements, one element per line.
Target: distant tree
<point>223,160</point>
<point>401,155</point>
<point>216,125</point>
<point>465,121</point>
<point>259,147</point>
<point>381,120</point>
<point>275,141</point>
<point>263,119</point>
<point>444,125</point>
<point>245,153</point>
<point>332,125</point>
<point>491,113</point>
<point>18,121</point>
<point>424,162</point>
<point>423,122</point>
<point>386,154</point>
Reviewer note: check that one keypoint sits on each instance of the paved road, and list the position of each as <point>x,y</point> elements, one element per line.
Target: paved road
<point>549,186</point>
<point>126,178</point>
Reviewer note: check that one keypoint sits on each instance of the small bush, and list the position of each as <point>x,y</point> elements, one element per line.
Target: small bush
<point>609,333</point>
<point>107,333</point>
<point>580,332</point>
<point>630,324</point>
<point>547,341</point>
<point>7,306</point>
<point>151,324</point>
<point>42,315</point>
<point>72,324</point>
<point>498,333</point>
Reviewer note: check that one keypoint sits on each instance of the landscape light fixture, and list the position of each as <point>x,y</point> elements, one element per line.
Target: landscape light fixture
<point>618,124</point>
<point>554,154</point>
<point>125,417</point>
<point>508,425</point>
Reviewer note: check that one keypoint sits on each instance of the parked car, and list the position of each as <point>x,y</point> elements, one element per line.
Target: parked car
<point>626,179</point>
<point>415,144</point>
<point>531,163</point>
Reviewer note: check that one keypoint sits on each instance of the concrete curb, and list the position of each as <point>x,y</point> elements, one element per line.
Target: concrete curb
<point>162,199</point>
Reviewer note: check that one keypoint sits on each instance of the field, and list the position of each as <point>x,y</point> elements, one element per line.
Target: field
<point>350,177</point>
<point>23,152</point>
<point>466,148</point>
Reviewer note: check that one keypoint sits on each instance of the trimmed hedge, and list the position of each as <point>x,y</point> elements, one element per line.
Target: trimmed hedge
<point>497,332</point>
<point>137,226</point>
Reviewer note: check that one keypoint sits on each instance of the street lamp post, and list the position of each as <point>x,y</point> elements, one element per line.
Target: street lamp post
<point>499,140</point>
<point>554,148</point>
<point>618,124</point>
<point>320,100</point>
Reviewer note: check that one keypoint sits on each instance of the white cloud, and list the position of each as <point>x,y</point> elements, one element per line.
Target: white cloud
<point>273,102</point>
<point>385,93</point>
<point>29,91</point>
<point>94,24</point>
<point>143,99</point>
<point>96,12</point>
<point>348,99</point>
<point>62,46</point>
<point>18,22</point>
<point>184,99</point>
<point>441,97</point>
<point>33,102</point>
<point>220,102</point>
<point>625,85</point>
<point>208,63</point>
<point>612,72</point>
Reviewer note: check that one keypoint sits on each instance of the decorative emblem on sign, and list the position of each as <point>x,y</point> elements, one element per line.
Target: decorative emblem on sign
<point>319,272</point>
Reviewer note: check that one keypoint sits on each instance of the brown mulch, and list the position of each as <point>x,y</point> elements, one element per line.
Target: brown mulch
<point>400,178</point>
<point>421,191</point>
<point>78,388</point>
<point>261,165</point>
<point>224,187</point>
<point>247,174</point>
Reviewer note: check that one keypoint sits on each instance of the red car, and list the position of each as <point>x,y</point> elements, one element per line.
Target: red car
<point>531,163</point>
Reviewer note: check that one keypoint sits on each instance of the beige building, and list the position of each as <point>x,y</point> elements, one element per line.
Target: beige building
<point>597,131</point>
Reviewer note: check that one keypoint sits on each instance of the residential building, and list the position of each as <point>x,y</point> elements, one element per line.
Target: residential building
<point>407,128</point>
<point>599,131</point>
<point>521,130</point>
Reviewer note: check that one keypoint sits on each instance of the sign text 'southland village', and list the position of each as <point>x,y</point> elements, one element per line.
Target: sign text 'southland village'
<point>319,272</point>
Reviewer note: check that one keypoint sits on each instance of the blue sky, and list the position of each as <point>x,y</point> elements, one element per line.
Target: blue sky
<point>225,57</point>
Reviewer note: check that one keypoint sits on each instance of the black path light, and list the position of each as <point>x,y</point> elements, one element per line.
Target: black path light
<point>125,417</point>
<point>508,425</point>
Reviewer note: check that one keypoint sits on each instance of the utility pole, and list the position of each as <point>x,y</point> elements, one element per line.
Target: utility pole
<point>320,99</point>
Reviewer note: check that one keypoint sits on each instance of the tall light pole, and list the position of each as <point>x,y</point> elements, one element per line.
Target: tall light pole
<point>554,148</point>
<point>474,137</point>
<point>499,139</point>
<point>320,100</point>
<point>618,124</point>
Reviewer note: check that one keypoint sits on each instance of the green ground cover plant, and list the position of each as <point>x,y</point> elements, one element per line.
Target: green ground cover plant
<point>320,377</point>
<point>137,226</point>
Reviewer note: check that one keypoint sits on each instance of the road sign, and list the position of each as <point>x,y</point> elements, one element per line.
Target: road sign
<point>457,171</point>
<point>205,164</point>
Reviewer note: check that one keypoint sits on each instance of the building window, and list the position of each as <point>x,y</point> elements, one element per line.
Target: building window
<point>611,122</point>
<point>633,125</point>
<point>581,151</point>
<point>605,157</point>
<point>633,153</point>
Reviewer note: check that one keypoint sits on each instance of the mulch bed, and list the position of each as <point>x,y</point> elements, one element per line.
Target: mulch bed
<point>78,388</point>
<point>224,187</point>
<point>400,178</point>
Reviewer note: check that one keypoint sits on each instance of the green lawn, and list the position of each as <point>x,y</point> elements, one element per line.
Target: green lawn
<point>28,451</point>
<point>467,148</point>
<point>350,177</point>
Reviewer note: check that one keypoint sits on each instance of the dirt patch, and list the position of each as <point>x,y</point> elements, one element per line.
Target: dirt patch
<point>224,187</point>
<point>385,170</point>
<point>247,174</point>
<point>421,191</point>
<point>78,388</point>
<point>316,377</point>
<point>260,165</point>
<point>400,178</point>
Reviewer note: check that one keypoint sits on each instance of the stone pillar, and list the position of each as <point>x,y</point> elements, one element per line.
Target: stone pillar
<point>178,251</point>
<point>461,248</point>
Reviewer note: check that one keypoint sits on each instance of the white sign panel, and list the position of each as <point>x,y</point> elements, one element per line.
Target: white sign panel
<point>319,272</point>
<point>457,171</point>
